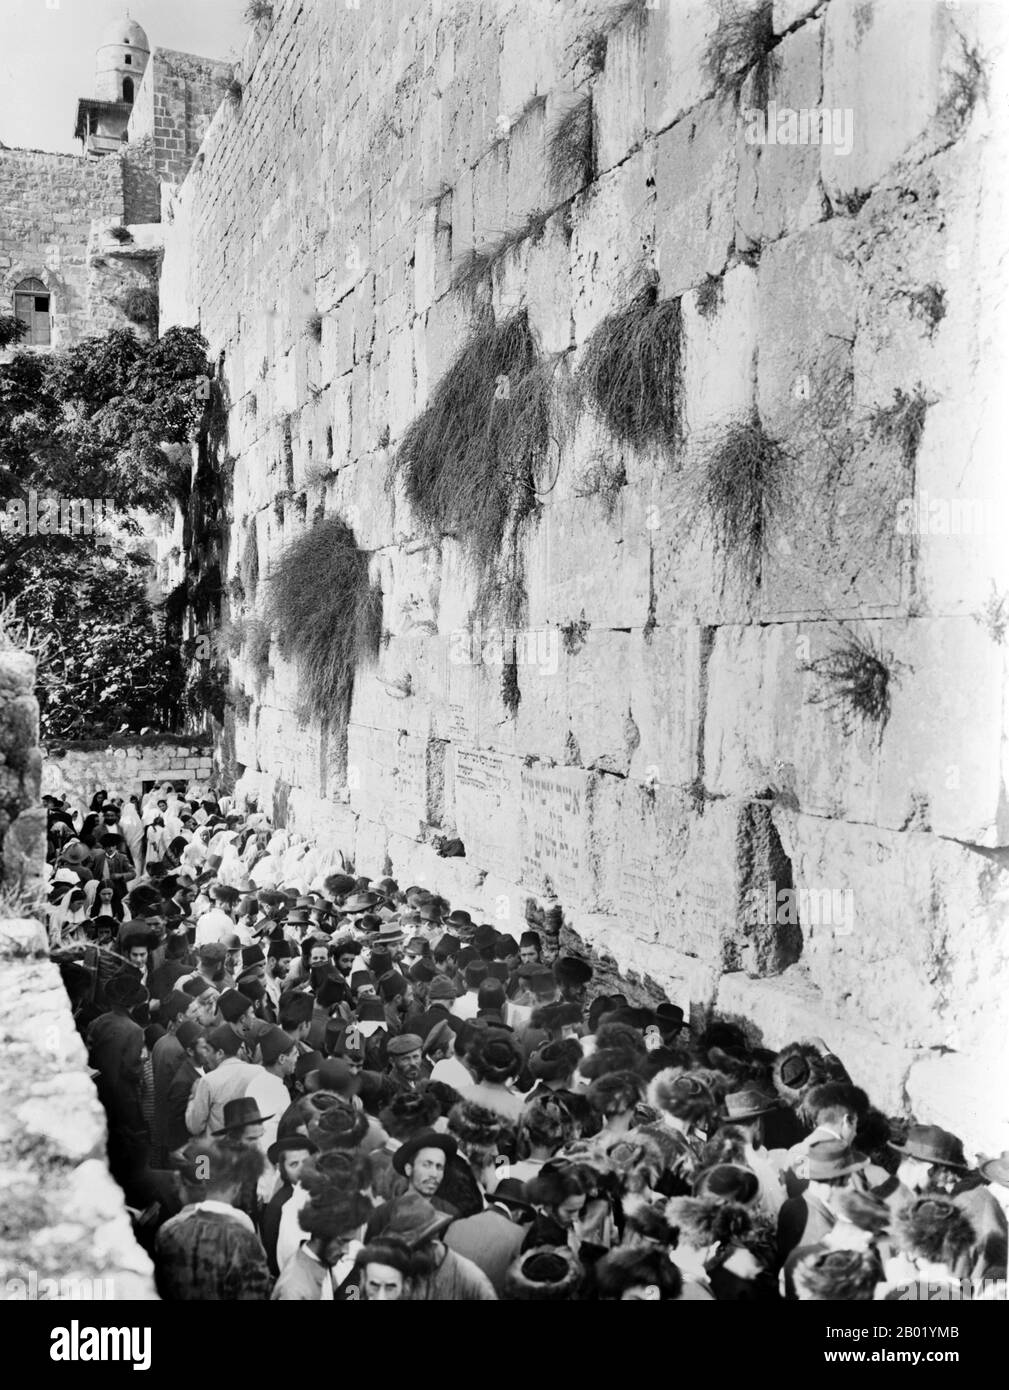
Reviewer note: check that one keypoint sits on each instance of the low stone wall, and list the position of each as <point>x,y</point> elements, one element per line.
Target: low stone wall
<point>64,1219</point>
<point>79,769</point>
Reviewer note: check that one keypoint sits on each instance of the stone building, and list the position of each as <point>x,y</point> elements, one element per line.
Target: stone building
<point>80,236</point>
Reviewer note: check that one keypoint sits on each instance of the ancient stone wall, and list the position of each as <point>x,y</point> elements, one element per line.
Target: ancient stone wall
<point>65,1231</point>
<point>123,765</point>
<point>177,98</point>
<point>48,202</point>
<point>671,751</point>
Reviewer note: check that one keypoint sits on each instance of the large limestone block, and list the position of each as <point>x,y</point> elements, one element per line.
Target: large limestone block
<point>389,777</point>
<point>689,581</point>
<point>579,565</point>
<point>614,238</point>
<point>668,870</point>
<point>358,494</point>
<point>487,790</point>
<point>490,195</point>
<point>959,521</point>
<point>938,764</point>
<point>528,187</point>
<point>779,183</point>
<point>685,979</point>
<point>806,302</point>
<point>555,831</point>
<point>540,272</point>
<point>960,1092</point>
<point>906,933</point>
<point>788,1008</point>
<point>894,105</point>
<point>575,704</point>
<point>677,38</point>
<point>696,171</point>
<point>720,354</point>
<point>663,693</point>
<point>619,93</point>
<point>401,395</point>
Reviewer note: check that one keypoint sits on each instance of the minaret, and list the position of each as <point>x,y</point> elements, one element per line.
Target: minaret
<point>123,55</point>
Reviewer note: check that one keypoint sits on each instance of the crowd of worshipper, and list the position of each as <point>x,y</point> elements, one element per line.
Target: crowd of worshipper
<point>323,1086</point>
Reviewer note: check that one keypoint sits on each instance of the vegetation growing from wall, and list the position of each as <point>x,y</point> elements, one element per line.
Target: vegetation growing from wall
<point>140,305</point>
<point>742,43</point>
<point>855,678</point>
<point>477,267</point>
<point>326,613</point>
<point>571,148</point>
<point>470,462</point>
<point>902,423</point>
<point>631,372</point>
<point>736,486</point>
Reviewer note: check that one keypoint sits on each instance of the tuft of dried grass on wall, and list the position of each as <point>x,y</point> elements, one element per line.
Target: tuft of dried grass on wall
<point>632,371</point>
<point>736,487</point>
<point>742,43</point>
<point>902,423</point>
<point>477,266</point>
<point>470,461</point>
<point>326,613</point>
<point>856,677</point>
<point>571,148</point>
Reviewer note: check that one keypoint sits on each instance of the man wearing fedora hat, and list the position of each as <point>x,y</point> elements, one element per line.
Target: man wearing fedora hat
<point>746,1111</point>
<point>441,1274</point>
<point>831,1166</point>
<point>933,1163</point>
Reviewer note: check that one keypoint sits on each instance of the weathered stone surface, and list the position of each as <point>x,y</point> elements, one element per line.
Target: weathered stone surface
<point>779,183</point>
<point>623,779</point>
<point>613,239</point>
<point>64,1217</point>
<point>878,951</point>
<point>696,170</point>
<point>770,722</point>
<point>895,105</point>
<point>677,39</point>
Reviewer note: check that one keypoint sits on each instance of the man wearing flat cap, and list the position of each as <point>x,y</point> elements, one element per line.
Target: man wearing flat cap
<point>407,1070</point>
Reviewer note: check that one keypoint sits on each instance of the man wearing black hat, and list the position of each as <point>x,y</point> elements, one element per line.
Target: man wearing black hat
<point>197,1060</point>
<point>933,1163</point>
<point>422,1160</point>
<point>115,1049</point>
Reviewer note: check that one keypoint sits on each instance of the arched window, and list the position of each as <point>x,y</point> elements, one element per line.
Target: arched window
<point>127,89</point>
<point>31,307</point>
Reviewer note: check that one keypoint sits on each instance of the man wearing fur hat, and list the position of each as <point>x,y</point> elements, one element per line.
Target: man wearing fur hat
<point>323,1268</point>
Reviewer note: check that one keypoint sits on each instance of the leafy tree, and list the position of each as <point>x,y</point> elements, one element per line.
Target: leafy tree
<point>91,422</point>
<point>104,661</point>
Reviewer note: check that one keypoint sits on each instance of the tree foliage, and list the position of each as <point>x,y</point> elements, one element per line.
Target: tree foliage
<point>103,661</point>
<point>89,423</point>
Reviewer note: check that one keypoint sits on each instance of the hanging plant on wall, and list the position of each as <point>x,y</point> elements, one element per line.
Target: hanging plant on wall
<point>735,487</point>
<point>632,374</point>
<point>470,462</point>
<point>326,613</point>
<point>855,678</point>
<point>743,42</point>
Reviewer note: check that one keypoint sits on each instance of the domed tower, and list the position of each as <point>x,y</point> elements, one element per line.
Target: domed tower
<point>123,54</point>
